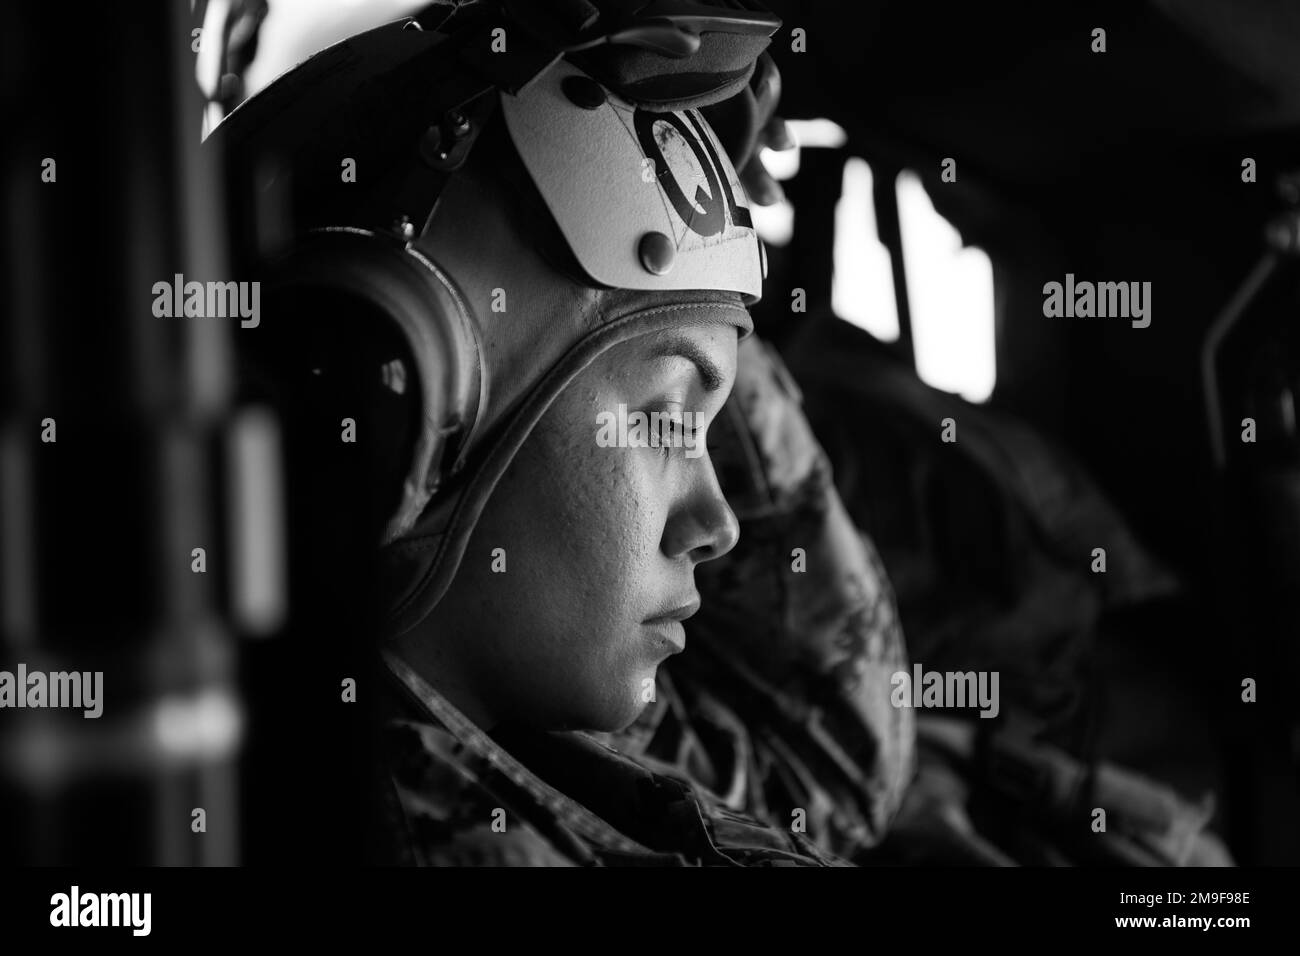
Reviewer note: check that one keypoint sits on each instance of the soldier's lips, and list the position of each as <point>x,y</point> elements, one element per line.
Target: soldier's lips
<point>670,631</point>
<point>668,624</point>
<point>677,611</point>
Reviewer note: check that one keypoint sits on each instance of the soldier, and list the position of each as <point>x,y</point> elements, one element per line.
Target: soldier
<point>571,237</point>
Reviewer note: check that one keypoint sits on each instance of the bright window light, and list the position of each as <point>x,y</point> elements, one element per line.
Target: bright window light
<point>774,224</point>
<point>862,284</point>
<point>950,298</point>
<point>807,134</point>
<point>780,164</point>
<point>817,133</point>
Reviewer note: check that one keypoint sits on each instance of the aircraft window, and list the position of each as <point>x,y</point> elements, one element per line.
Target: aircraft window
<point>949,295</point>
<point>862,284</point>
<point>775,223</point>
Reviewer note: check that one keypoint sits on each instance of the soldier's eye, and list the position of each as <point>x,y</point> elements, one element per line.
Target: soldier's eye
<point>674,435</point>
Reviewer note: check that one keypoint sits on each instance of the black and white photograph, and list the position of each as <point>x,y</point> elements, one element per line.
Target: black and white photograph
<point>480,434</point>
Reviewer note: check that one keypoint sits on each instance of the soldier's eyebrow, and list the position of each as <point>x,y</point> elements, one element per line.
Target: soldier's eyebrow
<point>710,373</point>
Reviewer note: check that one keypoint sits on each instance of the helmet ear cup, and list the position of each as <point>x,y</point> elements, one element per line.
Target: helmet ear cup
<point>359,328</point>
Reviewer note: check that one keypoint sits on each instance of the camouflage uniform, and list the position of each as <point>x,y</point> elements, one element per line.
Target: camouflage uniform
<point>458,797</point>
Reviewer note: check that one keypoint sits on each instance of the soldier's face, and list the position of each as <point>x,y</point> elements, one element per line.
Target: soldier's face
<point>600,533</point>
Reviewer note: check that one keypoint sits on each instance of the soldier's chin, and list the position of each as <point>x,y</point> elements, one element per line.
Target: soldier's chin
<point>614,712</point>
